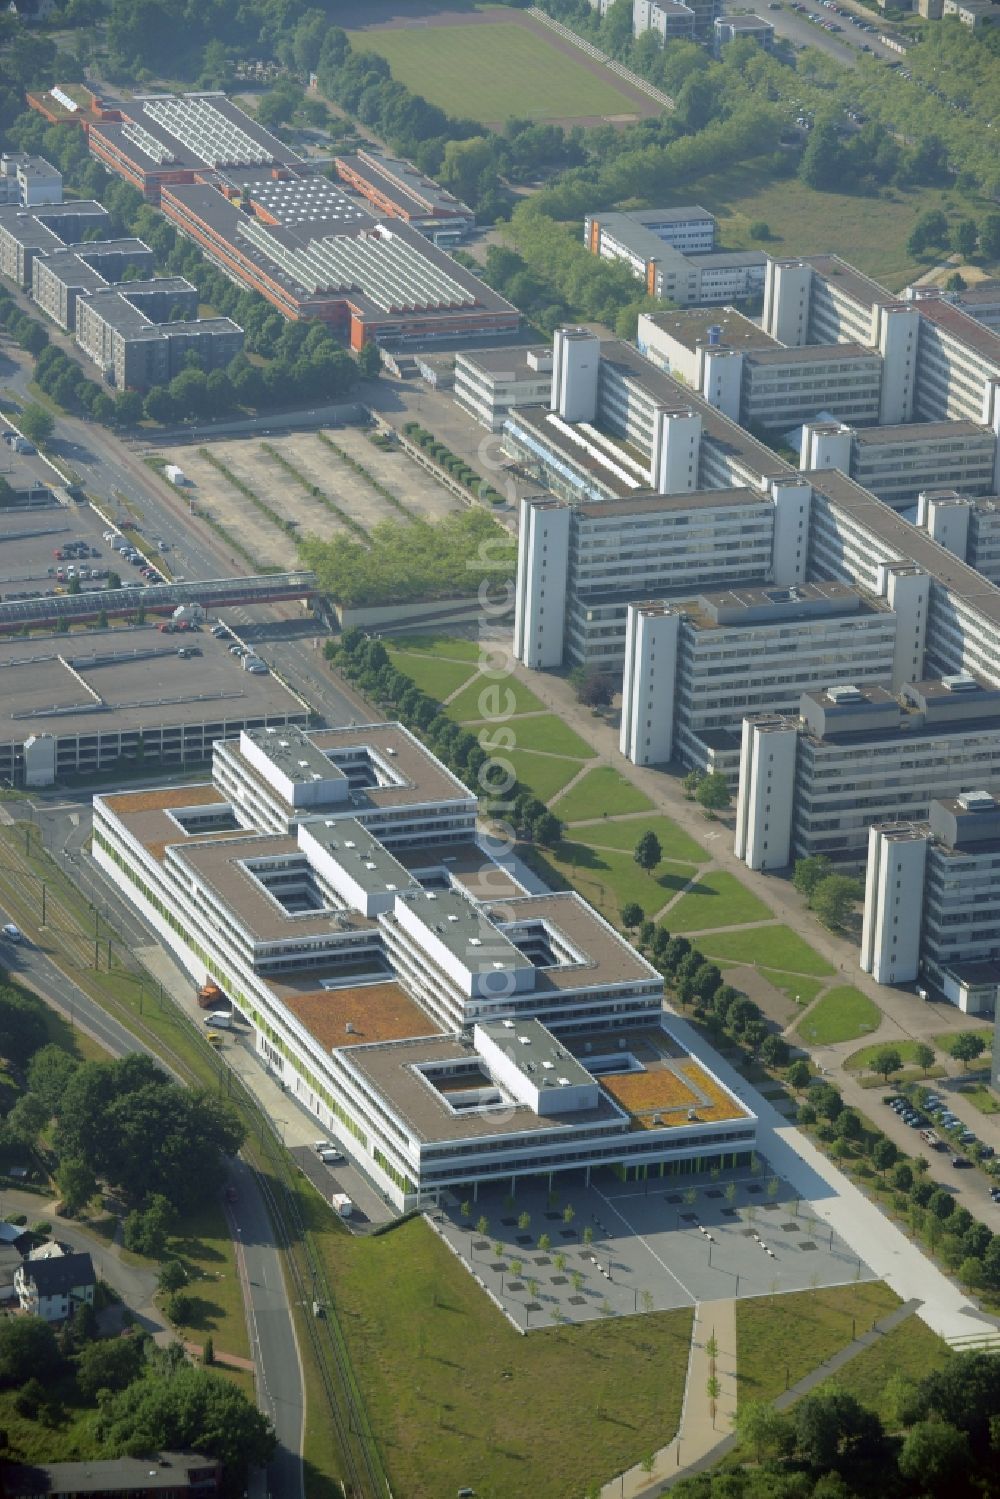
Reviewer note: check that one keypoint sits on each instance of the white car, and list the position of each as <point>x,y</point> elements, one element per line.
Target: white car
<point>12,933</point>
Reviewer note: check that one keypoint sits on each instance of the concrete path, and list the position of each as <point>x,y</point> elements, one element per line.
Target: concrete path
<point>704,1422</point>
<point>836,1201</point>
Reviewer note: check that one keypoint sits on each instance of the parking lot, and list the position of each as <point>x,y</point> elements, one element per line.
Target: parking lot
<point>654,1245</point>
<point>30,539</point>
<point>314,499</point>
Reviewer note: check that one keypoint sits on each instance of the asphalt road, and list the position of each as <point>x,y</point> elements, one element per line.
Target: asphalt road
<point>272,1334</point>
<point>844,45</point>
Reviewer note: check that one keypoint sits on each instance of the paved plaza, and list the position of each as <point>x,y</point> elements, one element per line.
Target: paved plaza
<point>633,1247</point>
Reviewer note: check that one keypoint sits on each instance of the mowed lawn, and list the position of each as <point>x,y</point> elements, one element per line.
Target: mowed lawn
<point>437,678</point>
<point>491,71</point>
<point>774,946</point>
<point>459,1398</point>
<point>910,1349</point>
<point>496,701</point>
<point>843,1014</point>
<point>674,842</point>
<point>718,899</point>
<point>610,880</point>
<point>779,1339</point>
<point>602,791</point>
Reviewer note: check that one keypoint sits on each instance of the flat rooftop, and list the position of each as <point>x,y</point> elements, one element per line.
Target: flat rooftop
<point>74,685</point>
<point>903,542</point>
<point>547,1053</point>
<point>392,1070</point>
<point>146,815</point>
<point>363,858</point>
<point>607,957</point>
<point>961,325</point>
<point>466,930</point>
<point>300,200</point>
<point>695,499</point>
<point>908,434</point>
<point>814,354</point>
<point>649,1074</point>
<point>346,1014</point>
<point>401,182</point>
<point>508,362</point>
<point>690,327</point>
<point>753,607</point>
<point>686,214</point>
<point>464,864</point>
<point>862,289</point>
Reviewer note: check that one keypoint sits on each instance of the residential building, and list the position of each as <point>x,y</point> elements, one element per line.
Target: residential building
<point>53,1287</point>
<point>28,180</point>
<point>47,229</point>
<point>857,756</point>
<point>657,246</point>
<point>696,667</point>
<point>59,278</point>
<point>932,902</point>
<point>141,332</point>
<point>668,18</point>
<point>976,14</point>
<point>445,1026</point>
<point>490,383</point>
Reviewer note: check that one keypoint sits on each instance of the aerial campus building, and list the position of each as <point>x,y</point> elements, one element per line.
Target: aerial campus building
<point>448,1027</point>
<point>672,252</point>
<point>138,331</point>
<point>932,901</point>
<point>364,257</point>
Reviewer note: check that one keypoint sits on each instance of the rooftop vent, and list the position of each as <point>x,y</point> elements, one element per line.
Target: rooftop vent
<point>348,842</point>
<point>349,1028</point>
<point>549,1066</point>
<point>563,1082</point>
<point>714,336</point>
<point>475,941</point>
<point>524,1040</point>
<point>845,693</point>
<point>508,1025</point>
<point>960,681</point>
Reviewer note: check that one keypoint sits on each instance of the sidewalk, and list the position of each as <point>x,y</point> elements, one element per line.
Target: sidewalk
<point>704,1423</point>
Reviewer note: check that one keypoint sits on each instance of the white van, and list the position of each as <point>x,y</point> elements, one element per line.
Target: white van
<point>220,1020</point>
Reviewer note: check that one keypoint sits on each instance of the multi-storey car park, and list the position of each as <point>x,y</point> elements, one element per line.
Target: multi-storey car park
<point>449,1028</point>
<point>932,901</point>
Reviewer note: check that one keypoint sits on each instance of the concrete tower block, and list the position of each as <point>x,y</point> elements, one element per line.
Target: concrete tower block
<point>894,901</point>
<point>576,359</point>
<point>648,683</point>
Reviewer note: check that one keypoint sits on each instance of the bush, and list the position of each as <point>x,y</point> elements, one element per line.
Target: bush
<point>760,229</point>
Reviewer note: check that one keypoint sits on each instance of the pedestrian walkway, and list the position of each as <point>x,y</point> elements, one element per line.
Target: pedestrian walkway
<point>707,1413</point>
<point>226,1360</point>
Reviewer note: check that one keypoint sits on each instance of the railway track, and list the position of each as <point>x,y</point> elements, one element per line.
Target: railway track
<point>71,948</point>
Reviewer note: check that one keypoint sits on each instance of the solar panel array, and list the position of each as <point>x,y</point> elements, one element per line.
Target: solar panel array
<point>207,132</point>
<point>148,144</point>
<point>390,272</point>
<point>299,200</point>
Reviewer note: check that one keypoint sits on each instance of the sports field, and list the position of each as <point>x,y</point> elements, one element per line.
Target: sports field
<point>488,70</point>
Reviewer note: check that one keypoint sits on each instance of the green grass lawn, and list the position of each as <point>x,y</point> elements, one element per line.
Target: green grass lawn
<point>868,234</point>
<point>543,775</point>
<point>610,879</point>
<point>485,698</point>
<point>946,1039</point>
<point>204,1246</point>
<point>674,842</point>
<point>602,792</point>
<point>459,1398</point>
<point>793,985</point>
<point>449,647</point>
<point>490,72</point>
<point>860,1061</point>
<point>843,1014</point>
<point>71,1439</point>
<point>779,1339</point>
<point>982,1098</point>
<point>718,899</point>
<point>431,674</point>
<point>549,734</point>
<point>910,1349</point>
<point>775,946</point>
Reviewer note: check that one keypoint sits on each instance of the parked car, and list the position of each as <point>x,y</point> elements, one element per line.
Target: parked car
<point>12,933</point>
<point>960,1162</point>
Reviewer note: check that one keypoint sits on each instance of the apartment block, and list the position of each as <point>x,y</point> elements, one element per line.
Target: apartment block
<point>857,756</point>
<point>932,901</point>
<point>742,28</point>
<point>60,278</point>
<point>44,230</point>
<point>141,332</point>
<point>28,180</point>
<point>695,668</point>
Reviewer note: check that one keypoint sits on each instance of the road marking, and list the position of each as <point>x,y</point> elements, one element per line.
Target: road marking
<point>646,1245</point>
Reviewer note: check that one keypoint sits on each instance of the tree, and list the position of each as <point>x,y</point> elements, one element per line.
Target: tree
<point>902,1177</point>
<point>593,687</point>
<point>822,162</point>
<point>760,1426</point>
<point>369,360</point>
<point>966,1047</point>
<point>932,1455</point>
<point>188,1407</point>
<point>923,1055</point>
<point>76,1182</point>
<point>713,792</point>
<point>964,1392</point>
<point>989,237</point>
<point>774,1051</point>
<point>27,1347</point>
<point>25,1121</point>
<point>180,1308</point>
<point>799,1075</point>
<point>36,423</point>
<point>884,1155</point>
<point>172,1276</point>
<point>965,237</point>
<point>885,1061</point>
<point>834,898</point>
<point>632,914</point>
<point>109,1364</point>
<point>648,852</point>
<point>809,872</point>
<point>146,1232</point>
<point>546,830</point>
<point>848,1126</point>
<point>941,1204</point>
<point>833,1425</point>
